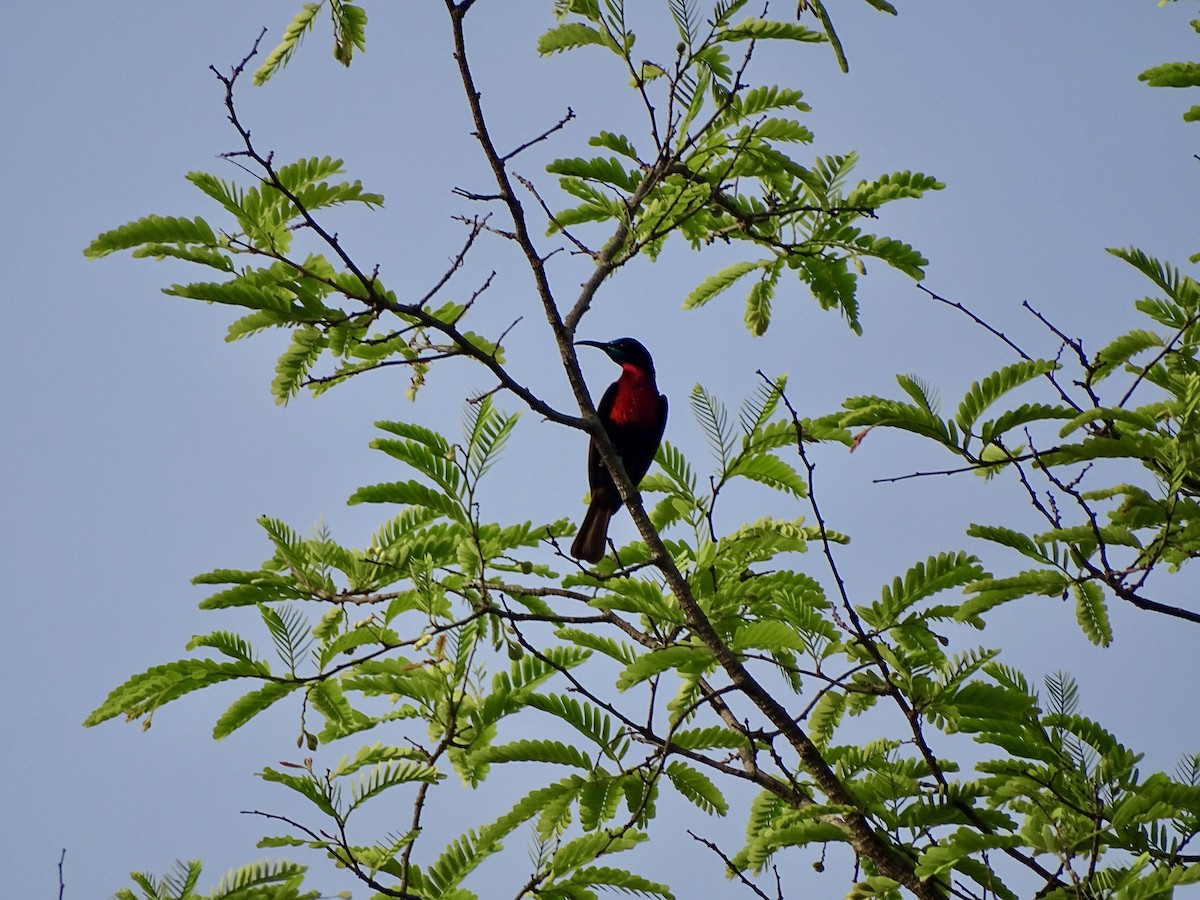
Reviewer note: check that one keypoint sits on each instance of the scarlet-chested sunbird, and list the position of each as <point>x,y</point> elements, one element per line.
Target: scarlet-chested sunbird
<point>634,415</point>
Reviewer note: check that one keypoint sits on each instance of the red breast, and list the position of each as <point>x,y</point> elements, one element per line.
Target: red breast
<point>636,402</point>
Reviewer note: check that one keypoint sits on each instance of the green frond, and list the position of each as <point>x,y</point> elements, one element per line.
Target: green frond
<point>543,751</point>
<point>754,29</point>
<point>715,284</point>
<point>461,857</point>
<point>410,493</point>
<point>588,720</point>
<point>381,776</point>
<point>294,363</point>
<point>893,186</point>
<point>249,705</point>
<point>880,411</point>
<point>983,394</point>
<point>618,143</point>
<point>609,171</point>
<point>991,592</point>
<point>349,30</point>
<point>205,256</point>
<point>648,665</point>
<point>757,316</point>
<point>1091,611</point>
<point>438,467</point>
<point>833,285</point>
<point>1021,415</point>
<point>766,634</point>
<point>760,406</point>
<point>714,421</point>
<point>696,787</point>
<point>1122,349</point>
<point>413,432</point>
<point>583,850</point>
<point>686,19</point>
<point>1172,74</point>
<point>771,471</point>
<point>1017,540</point>
<point>274,878</point>
<point>571,35</point>
<point>637,596</point>
<point>922,392</point>
<point>305,785</point>
<point>608,877</point>
<point>293,34</point>
<point>707,738</point>
<point>922,580</point>
<point>622,652</point>
<point>761,99</point>
<point>290,632</point>
<point>232,645</point>
<point>152,230</point>
<point>1179,287</point>
<point>142,694</point>
<point>327,698</point>
<point>486,430</point>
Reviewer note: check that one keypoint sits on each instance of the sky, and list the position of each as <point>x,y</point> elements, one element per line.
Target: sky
<point>138,447</point>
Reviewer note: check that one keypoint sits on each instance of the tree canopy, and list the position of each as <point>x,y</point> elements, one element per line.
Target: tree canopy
<point>729,669</point>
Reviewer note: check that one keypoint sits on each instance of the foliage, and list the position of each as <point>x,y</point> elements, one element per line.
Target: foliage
<point>454,647</point>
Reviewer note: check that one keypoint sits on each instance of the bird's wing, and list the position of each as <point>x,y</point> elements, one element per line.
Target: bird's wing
<point>598,475</point>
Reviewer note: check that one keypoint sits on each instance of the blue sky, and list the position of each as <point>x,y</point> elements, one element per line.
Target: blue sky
<point>138,448</point>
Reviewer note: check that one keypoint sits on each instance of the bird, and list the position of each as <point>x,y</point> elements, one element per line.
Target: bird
<point>634,416</point>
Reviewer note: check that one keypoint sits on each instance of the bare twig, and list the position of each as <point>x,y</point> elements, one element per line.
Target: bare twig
<point>729,866</point>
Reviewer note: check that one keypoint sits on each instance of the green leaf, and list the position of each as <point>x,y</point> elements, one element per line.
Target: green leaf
<point>766,634</point>
<point>301,23</point>
<point>543,751</point>
<point>714,420</point>
<point>610,172</point>
<point>1172,74</point>
<point>569,36</point>
<point>305,785</point>
<point>411,493</point>
<point>758,302</point>
<point>922,580</point>
<point>696,787</point>
<point>380,777</point>
<point>984,393</point>
<point>616,142</point>
<point>248,706</point>
<point>1017,540</point>
<point>771,471</point>
<point>1092,612</point>
<point>294,364</point>
<point>715,284</point>
<point>754,29</point>
<point>144,693</point>
<point>606,876</point>
<point>349,30</point>
<point>327,698</point>
<point>583,850</point>
<point>1021,415</point>
<point>152,230</point>
<point>691,659</point>
<point>991,592</point>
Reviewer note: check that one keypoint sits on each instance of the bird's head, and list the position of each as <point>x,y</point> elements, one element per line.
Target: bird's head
<point>624,352</point>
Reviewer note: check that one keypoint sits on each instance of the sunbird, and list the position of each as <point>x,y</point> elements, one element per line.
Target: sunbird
<point>634,415</point>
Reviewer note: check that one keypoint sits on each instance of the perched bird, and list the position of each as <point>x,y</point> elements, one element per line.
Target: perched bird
<point>634,415</point>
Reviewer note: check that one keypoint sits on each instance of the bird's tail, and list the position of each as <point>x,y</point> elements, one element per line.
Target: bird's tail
<point>589,543</point>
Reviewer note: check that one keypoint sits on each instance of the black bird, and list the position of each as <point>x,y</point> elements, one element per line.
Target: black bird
<point>634,415</point>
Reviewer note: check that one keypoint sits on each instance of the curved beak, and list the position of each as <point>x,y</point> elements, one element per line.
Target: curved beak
<point>592,344</point>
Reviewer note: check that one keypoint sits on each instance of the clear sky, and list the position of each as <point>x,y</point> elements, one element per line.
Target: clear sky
<point>138,448</point>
